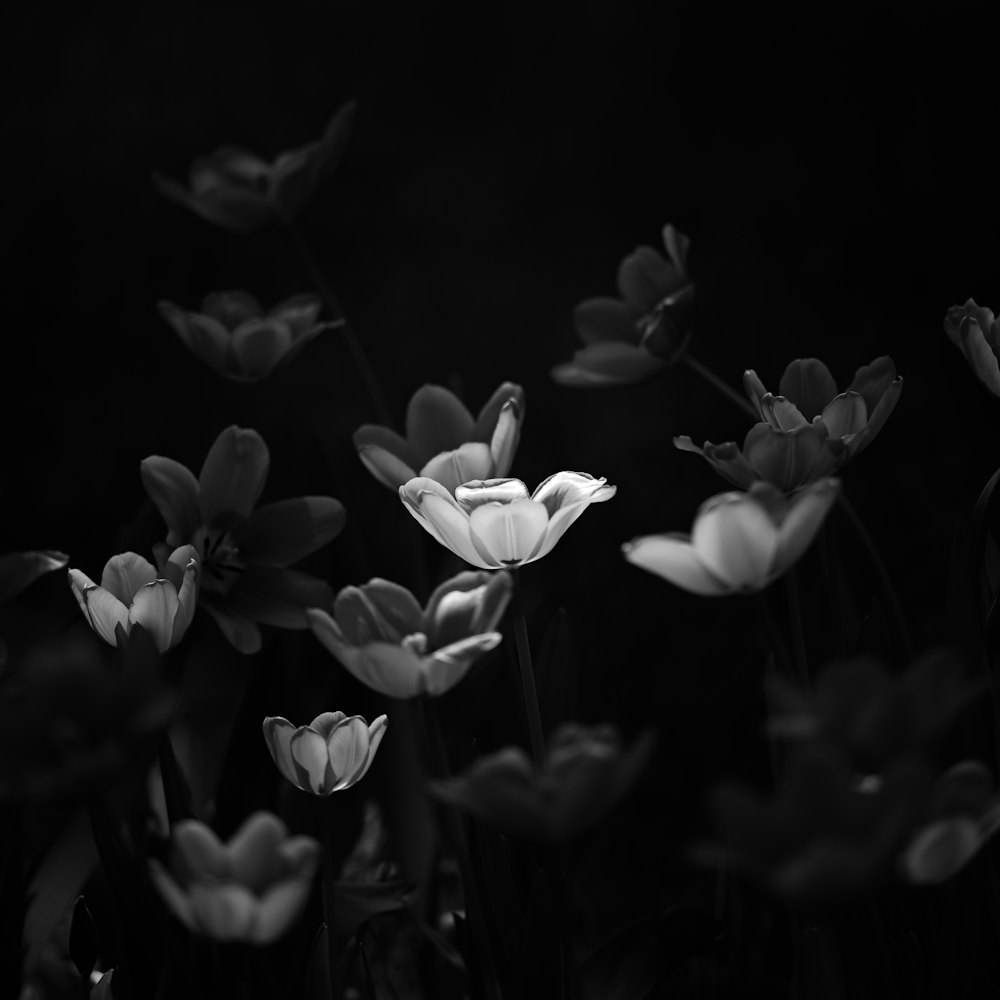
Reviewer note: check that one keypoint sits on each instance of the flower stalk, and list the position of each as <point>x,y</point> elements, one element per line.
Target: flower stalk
<point>528,690</point>
<point>330,900</point>
<point>741,402</point>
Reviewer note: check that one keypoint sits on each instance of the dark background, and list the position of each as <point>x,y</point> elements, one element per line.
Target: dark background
<point>836,171</point>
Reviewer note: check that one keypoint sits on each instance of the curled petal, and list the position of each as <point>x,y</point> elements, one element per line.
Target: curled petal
<point>475,493</point>
<point>489,415</point>
<point>467,604</point>
<point>506,437</point>
<point>564,488</point>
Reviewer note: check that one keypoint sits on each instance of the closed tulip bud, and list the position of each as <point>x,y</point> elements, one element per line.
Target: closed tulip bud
<point>975,332</point>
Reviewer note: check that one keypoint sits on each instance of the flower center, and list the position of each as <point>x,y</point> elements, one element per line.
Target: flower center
<point>220,561</point>
<point>416,642</point>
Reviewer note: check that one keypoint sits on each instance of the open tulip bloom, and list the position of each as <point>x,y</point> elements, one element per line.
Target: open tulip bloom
<point>381,634</point>
<point>631,338</point>
<point>808,431</point>
<point>132,591</point>
<point>975,332</point>
<point>740,542</point>
<point>245,553</point>
<point>238,341</point>
<point>252,889</point>
<point>495,523</point>
<point>330,754</point>
<point>237,190</point>
<point>443,442</point>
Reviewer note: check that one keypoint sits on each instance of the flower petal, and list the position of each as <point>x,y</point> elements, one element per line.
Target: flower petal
<point>802,523</point>
<point>735,540</point>
<point>440,514</point>
<point>284,532</point>
<point>446,666</point>
<point>278,733</point>
<point>259,346</point>
<point>275,596</point>
<point>224,911</point>
<point>299,313</point>
<point>645,277</point>
<point>279,908</point>
<point>467,604</point>
<point>390,669</point>
<point>240,631</point>
<point>348,750</point>
<point>807,382</point>
<point>187,597</point>
<point>486,423</point>
<point>508,534</point>
<point>564,488</point>
<point>471,461</point>
<point>126,574</point>
<point>231,308</point>
<point>253,855</point>
<point>603,319</point>
<point>673,557</point>
<point>609,362</point>
<point>312,761</point>
<point>154,607</point>
<point>198,852</point>
<point>396,606</point>
<point>174,491</point>
<point>884,407</point>
<point>436,421</point>
<point>175,898</point>
<point>102,609</point>
<point>232,476</point>
<point>477,492</point>
<point>506,436</point>
<point>845,415</point>
<point>385,454</point>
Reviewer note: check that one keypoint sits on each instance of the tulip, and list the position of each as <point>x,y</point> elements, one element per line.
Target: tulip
<point>494,523</point>
<point>251,889</point>
<point>234,337</point>
<point>239,191</point>
<point>330,754</point>
<point>586,771</point>
<point>443,442</point>
<point>740,542</point>
<point>974,331</point>
<point>386,640</point>
<point>631,338</point>
<point>245,553</point>
<point>132,590</point>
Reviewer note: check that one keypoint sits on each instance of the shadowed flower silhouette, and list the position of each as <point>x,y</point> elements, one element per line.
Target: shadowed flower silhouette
<point>238,341</point>
<point>495,523</point>
<point>330,754</point>
<point>631,338</point>
<point>384,638</point>
<point>251,889</point>
<point>974,331</point>
<point>443,442</point>
<point>239,191</point>
<point>245,553</point>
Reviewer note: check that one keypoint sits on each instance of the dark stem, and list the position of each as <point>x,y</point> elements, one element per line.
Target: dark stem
<point>329,899</point>
<point>531,710</point>
<point>716,383</point>
<point>795,623</point>
<point>776,642</point>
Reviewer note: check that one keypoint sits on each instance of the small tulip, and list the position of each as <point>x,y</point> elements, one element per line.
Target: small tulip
<point>975,332</point>
<point>495,523</point>
<point>251,889</point>
<point>740,542</point>
<point>386,640</point>
<point>132,590</point>
<point>443,442</point>
<point>630,339</point>
<point>235,338</point>
<point>330,754</point>
<point>586,771</point>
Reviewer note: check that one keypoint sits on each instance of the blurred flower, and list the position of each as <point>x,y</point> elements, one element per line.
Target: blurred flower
<point>134,591</point>
<point>236,340</point>
<point>18,570</point>
<point>874,715</point>
<point>974,331</point>
<point>330,754</point>
<point>494,523</point>
<point>961,816</point>
<point>71,722</point>
<point>244,552</point>
<point>632,338</point>
<point>251,889</point>
<point>826,836</point>
<point>586,771</point>
<point>381,634</point>
<point>809,431</point>
<point>740,541</point>
<point>239,191</point>
<point>443,442</point>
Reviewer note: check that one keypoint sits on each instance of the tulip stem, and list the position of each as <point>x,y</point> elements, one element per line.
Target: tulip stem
<point>776,642</point>
<point>323,286</point>
<point>330,900</point>
<point>531,710</point>
<point>888,591</point>
<point>795,623</point>
<point>716,383</point>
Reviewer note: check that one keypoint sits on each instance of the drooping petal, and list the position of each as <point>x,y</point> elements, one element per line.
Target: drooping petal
<point>233,475</point>
<point>275,596</point>
<point>259,345</point>
<point>174,491</point>
<point>603,319</point>
<point>101,608</point>
<point>673,557</point>
<point>565,488</point>
<point>436,421</point>
<point>508,534</point>
<point>254,860</point>
<point>446,666</point>
<point>124,575</point>
<point>154,607</point>
<point>801,524</point>
<point>278,733</point>
<point>735,540</point>
<point>452,468</point>
<point>807,382</point>
<point>284,532</point>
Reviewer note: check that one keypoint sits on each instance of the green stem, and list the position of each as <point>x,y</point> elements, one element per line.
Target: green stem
<point>716,383</point>
<point>330,900</point>
<point>795,623</point>
<point>531,709</point>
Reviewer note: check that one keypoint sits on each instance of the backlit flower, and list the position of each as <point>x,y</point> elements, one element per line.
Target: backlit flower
<point>443,442</point>
<point>330,754</point>
<point>244,553</point>
<point>631,338</point>
<point>132,591</point>
<point>586,771</point>
<point>740,542</point>
<point>974,331</point>
<point>381,634</point>
<point>238,341</point>
<point>237,190</point>
<point>251,889</point>
<point>495,523</point>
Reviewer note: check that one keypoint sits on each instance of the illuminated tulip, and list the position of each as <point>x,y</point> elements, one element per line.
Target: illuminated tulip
<point>381,634</point>
<point>330,754</point>
<point>132,591</point>
<point>443,442</point>
<point>740,542</point>
<point>495,523</point>
<point>251,889</point>
<point>245,553</point>
<point>975,332</point>
<point>235,338</point>
<point>237,190</point>
<point>631,338</point>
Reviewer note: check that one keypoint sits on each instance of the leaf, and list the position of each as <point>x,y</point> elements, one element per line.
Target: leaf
<point>358,902</point>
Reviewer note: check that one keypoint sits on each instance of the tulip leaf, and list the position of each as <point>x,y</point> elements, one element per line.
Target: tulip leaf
<point>318,969</point>
<point>358,902</point>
